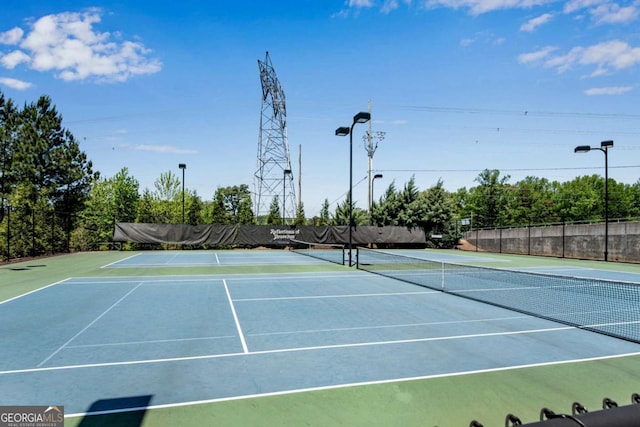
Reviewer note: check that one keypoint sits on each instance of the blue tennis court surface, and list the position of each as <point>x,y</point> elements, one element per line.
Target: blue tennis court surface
<point>186,339</point>
<point>212,258</point>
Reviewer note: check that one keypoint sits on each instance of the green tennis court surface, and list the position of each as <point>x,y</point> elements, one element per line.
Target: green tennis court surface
<point>276,338</point>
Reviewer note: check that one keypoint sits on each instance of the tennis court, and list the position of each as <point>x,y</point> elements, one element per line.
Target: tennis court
<point>210,259</point>
<point>164,330</point>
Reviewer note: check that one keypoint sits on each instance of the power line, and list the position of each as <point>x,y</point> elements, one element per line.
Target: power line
<point>528,113</point>
<point>501,170</point>
<point>347,192</point>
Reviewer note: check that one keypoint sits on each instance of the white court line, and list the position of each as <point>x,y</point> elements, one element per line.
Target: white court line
<point>89,325</point>
<point>115,344</point>
<point>381,294</point>
<point>302,276</point>
<point>288,350</point>
<point>169,261</point>
<point>356,384</point>
<point>33,291</point>
<point>217,259</point>
<point>123,259</point>
<point>235,318</point>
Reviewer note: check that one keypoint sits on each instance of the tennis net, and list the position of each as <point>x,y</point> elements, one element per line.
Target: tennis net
<point>604,306</point>
<point>325,251</point>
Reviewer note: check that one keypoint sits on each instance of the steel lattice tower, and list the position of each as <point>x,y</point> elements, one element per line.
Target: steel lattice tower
<point>273,176</point>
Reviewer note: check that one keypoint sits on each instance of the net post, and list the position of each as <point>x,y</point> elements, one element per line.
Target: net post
<point>357,258</point>
<point>442,269</point>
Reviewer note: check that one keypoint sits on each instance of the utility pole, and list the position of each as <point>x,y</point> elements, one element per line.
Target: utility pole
<point>371,144</point>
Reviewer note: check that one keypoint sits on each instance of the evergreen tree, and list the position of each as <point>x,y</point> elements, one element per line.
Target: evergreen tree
<point>192,208</point>
<point>325,218</point>
<point>146,208</point>
<point>439,218</point>
<point>300,217</point>
<point>387,211</point>
<point>219,213</point>
<point>232,205</point>
<point>8,135</point>
<point>341,214</point>
<point>275,216</point>
<point>412,209</point>
<point>53,173</point>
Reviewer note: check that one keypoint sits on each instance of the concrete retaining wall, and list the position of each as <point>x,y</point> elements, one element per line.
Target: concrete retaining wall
<point>580,241</point>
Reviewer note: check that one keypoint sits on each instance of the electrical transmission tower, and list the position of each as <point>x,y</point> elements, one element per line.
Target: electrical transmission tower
<point>273,177</point>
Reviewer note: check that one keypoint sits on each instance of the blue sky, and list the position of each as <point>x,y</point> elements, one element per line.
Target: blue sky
<point>457,86</point>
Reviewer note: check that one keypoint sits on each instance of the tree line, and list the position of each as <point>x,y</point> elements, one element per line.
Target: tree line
<point>45,178</point>
<point>51,199</point>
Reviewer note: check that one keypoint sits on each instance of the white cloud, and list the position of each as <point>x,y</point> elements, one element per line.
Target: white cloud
<point>478,7</point>
<point>68,44</point>
<point>14,83</point>
<point>536,56</point>
<point>606,56</point>
<point>613,90</point>
<point>12,59</point>
<point>12,36</point>
<point>389,6</point>
<point>605,11</point>
<point>601,11</point>
<point>360,3</point>
<point>467,42</point>
<point>534,23</point>
<point>575,5</point>
<point>611,13</point>
<point>484,37</point>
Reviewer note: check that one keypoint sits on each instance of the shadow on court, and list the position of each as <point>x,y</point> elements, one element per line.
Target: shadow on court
<point>135,408</point>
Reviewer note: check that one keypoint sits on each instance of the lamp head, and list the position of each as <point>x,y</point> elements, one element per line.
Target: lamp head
<point>182,165</point>
<point>378,175</point>
<point>342,131</point>
<point>606,144</point>
<point>362,117</point>
<point>582,149</point>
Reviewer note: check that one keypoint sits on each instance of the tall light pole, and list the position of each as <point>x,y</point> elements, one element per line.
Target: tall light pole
<point>604,147</point>
<point>182,166</point>
<point>284,194</point>
<point>361,117</point>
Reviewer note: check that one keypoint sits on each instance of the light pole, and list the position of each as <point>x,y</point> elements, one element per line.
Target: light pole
<point>284,194</point>
<point>376,176</point>
<point>182,166</point>
<point>8,207</point>
<point>604,147</point>
<point>361,117</point>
